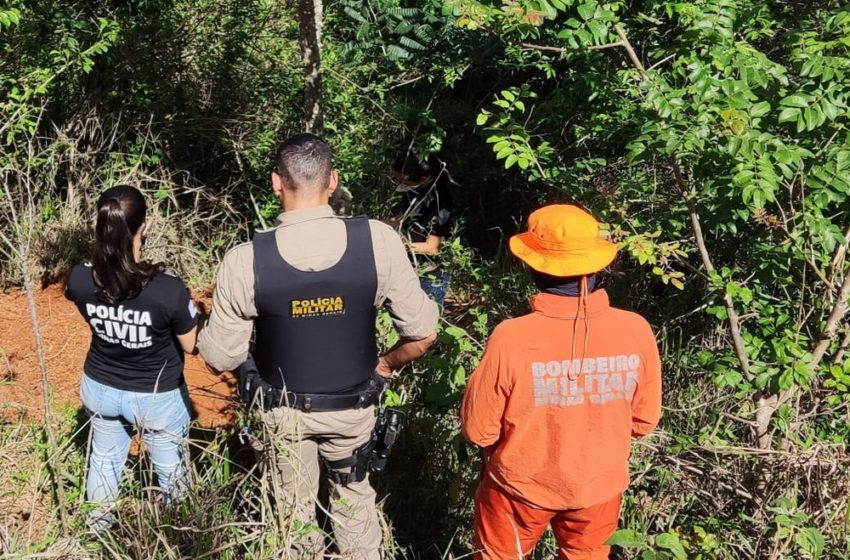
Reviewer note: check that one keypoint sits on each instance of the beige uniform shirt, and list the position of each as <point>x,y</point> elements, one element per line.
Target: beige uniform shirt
<point>311,239</point>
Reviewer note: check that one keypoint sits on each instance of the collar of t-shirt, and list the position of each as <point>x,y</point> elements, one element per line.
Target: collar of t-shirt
<point>565,307</point>
<point>304,215</point>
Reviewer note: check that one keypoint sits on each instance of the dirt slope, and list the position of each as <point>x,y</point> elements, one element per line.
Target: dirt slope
<point>66,340</point>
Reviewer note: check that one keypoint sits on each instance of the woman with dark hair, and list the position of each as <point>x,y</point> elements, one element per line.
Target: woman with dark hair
<point>423,217</point>
<point>142,320</point>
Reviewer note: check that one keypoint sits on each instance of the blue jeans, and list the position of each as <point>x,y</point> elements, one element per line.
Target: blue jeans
<point>436,284</point>
<point>162,419</point>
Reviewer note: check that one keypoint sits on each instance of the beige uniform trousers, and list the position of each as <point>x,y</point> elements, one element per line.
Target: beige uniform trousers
<point>300,438</point>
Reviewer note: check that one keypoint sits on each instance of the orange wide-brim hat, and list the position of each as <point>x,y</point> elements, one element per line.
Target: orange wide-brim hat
<point>563,240</point>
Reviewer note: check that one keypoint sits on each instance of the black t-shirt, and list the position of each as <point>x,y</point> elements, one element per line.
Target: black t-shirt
<point>425,210</point>
<point>133,344</point>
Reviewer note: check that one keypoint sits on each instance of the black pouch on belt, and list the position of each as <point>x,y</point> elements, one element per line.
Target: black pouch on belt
<point>250,383</point>
<point>373,392</point>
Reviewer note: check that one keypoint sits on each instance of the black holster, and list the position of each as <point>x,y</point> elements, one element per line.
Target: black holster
<point>372,455</point>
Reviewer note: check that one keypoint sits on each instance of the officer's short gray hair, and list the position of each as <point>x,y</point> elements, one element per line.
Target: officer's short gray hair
<point>304,162</point>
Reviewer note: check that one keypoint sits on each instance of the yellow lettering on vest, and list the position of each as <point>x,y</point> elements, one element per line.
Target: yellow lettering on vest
<point>317,307</point>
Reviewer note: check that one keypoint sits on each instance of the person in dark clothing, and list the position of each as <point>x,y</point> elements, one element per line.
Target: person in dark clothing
<point>423,217</point>
<point>142,320</point>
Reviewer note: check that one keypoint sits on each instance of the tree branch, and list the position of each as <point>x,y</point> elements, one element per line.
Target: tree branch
<point>731,313</point>
<point>630,51</point>
<point>20,248</point>
<point>842,348</point>
<point>840,251</point>
<point>839,309</point>
<point>766,403</point>
<point>812,264</point>
<point>605,46</point>
<point>533,47</point>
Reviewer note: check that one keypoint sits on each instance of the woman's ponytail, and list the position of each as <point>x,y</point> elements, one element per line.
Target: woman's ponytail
<point>117,276</point>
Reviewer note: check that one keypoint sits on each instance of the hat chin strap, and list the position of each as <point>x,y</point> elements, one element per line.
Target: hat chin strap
<point>583,307</point>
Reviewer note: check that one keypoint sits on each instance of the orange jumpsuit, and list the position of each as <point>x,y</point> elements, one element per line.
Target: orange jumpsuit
<point>555,401</point>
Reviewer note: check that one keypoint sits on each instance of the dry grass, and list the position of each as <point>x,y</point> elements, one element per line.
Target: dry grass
<point>230,512</point>
<point>26,514</point>
<point>191,224</point>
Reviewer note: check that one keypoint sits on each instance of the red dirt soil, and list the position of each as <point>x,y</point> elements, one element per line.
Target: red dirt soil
<point>66,340</point>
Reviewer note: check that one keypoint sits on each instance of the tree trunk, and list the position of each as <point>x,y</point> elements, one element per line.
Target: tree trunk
<point>310,34</point>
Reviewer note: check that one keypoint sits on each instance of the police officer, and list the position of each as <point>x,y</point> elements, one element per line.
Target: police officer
<point>310,286</point>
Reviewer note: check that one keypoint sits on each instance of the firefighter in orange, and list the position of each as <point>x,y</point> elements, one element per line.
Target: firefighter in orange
<point>557,398</point>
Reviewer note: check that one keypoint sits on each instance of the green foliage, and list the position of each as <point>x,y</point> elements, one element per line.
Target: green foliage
<point>28,79</point>
<point>9,18</point>
<point>839,383</point>
<point>511,141</point>
<point>727,129</point>
<point>664,546</point>
<point>399,33</point>
<point>738,121</point>
<point>721,109</point>
<point>790,525</point>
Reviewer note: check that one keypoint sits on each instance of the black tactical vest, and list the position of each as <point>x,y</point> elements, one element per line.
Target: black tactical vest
<point>316,330</point>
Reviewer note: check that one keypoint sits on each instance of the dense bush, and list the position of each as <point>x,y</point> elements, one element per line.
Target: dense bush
<point>710,135</point>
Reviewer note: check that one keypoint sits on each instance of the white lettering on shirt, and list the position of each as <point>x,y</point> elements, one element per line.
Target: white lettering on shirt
<point>117,325</point>
<point>598,380</point>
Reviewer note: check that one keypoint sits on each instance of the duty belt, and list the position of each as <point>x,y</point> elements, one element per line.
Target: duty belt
<point>257,391</point>
<point>309,402</point>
